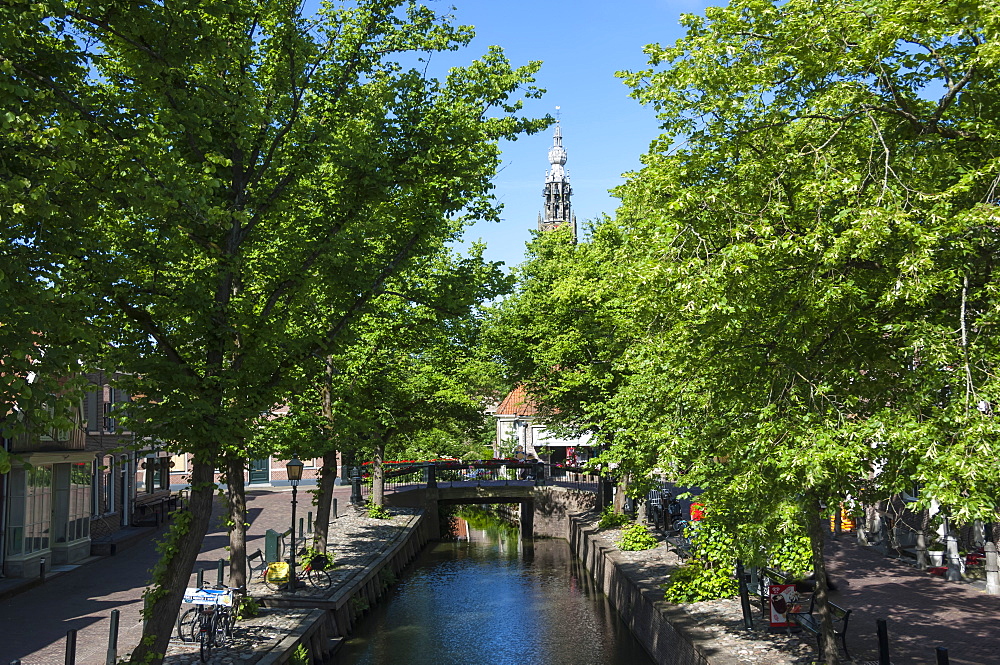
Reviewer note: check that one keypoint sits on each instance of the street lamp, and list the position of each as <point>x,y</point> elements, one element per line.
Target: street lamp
<point>356,499</point>
<point>294,469</point>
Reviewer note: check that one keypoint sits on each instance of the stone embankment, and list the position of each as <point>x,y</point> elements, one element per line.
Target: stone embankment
<point>369,554</point>
<point>705,633</point>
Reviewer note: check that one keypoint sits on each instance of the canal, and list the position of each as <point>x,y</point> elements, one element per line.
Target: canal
<point>483,599</point>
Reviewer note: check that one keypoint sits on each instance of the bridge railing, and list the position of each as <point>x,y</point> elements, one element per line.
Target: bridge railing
<point>400,476</point>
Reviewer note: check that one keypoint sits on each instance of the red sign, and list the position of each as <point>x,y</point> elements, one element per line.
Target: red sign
<point>783,599</point>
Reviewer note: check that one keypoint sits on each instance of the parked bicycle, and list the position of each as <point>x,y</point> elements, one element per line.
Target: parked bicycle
<point>276,574</point>
<point>212,621</point>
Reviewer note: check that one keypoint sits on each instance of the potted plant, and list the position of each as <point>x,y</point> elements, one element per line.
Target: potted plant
<point>313,559</point>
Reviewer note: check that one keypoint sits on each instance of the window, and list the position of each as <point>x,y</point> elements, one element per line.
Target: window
<point>109,421</point>
<point>161,472</point>
<point>178,463</point>
<point>77,501</point>
<point>96,479</point>
<point>29,517</point>
<point>106,500</point>
<point>102,491</point>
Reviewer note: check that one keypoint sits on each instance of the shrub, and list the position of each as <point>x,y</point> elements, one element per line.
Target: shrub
<point>709,573</point>
<point>612,520</point>
<point>378,512</point>
<point>635,538</point>
<point>249,608</point>
<point>695,581</point>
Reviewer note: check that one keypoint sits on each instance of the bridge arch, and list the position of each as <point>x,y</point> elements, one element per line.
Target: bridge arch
<point>544,510</point>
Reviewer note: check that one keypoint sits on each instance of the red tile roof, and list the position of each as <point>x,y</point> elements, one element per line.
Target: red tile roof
<point>517,403</point>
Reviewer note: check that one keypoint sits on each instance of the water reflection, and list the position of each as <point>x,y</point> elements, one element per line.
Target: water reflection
<point>486,600</point>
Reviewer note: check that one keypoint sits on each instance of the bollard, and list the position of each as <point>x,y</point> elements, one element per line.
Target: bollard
<point>883,642</point>
<point>71,646</point>
<point>922,560</point>
<point>113,639</point>
<point>41,569</point>
<point>220,573</point>
<point>334,509</point>
<point>953,559</point>
<point>201,578</point>
<point>301,534</point>
<point>741,579</point>
<point>309,522</point>
<point>942,656</point>
<point>992,570</point>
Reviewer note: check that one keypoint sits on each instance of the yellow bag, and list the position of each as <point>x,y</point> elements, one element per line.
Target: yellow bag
<point>277,572</point>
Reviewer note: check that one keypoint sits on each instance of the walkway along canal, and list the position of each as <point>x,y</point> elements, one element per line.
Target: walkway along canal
<point>487,598</point>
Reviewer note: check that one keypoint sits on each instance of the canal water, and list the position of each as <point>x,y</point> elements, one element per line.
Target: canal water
<point>486,600</point>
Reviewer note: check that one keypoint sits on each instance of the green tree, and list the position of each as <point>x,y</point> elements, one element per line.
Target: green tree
<point>43,331</point>
<point>810,254</point>
<point>262,174</point>
<point>562,335</point>
<point>418,367</point>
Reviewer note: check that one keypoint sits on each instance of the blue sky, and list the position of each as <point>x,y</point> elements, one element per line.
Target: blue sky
<point>582,44</point>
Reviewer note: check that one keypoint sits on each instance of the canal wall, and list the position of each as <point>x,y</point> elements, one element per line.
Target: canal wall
<point>670,635</point>
<point>334,617</point>
<point>362,592</point>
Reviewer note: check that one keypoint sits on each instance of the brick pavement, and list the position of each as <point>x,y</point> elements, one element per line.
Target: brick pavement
<point>923,611</point>
<point>33,624</point>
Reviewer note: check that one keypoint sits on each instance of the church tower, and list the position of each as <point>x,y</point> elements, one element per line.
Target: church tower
<point>557,189</point>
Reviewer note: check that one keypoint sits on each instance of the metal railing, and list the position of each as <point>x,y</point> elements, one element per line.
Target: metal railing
<point>402,476</point>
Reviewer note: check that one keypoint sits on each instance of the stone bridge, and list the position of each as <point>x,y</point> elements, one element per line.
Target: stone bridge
<point>544,510</point>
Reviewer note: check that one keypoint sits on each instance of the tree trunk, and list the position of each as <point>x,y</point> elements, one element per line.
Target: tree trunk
<point>378,479</point>
<point>238,521</point>
<point>327,474</point>
<point>827,638</point>
<point>324,499</point>
<point>172,573</point>
<point>619,504</point>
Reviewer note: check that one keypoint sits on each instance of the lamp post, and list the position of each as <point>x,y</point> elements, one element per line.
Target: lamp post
<point>294,468</point>
<point>356,499</point>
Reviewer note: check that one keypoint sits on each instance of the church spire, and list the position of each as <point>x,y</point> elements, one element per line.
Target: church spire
<point>557,189</point>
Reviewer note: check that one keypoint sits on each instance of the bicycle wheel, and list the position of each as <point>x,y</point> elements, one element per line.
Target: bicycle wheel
<point>231,622</point>
<point>220,627</point>
<point>206,631</point>
<point>187,625</point>
<point>319,579</point>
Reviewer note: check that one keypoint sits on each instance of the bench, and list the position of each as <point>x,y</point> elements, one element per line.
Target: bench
<point>810,622</point>
<point>260,566</point>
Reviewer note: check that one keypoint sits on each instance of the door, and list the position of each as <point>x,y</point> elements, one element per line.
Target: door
<point>260,470</point>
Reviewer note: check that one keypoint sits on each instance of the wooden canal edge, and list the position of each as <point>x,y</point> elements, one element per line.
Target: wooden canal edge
<point>332,618</point>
